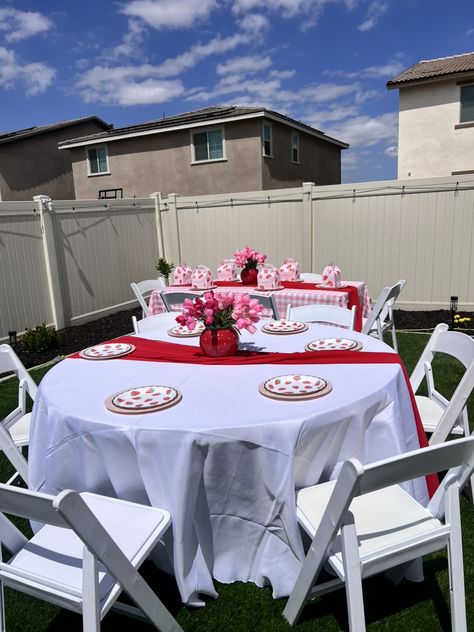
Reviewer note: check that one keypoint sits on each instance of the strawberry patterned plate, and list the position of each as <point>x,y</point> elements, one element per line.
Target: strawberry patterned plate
<point>267,289</point>
<point>143,399</point>
<point>181,331</point>
<point>334,344</point>
<point>330,287</point>
<point>295,387</point>
<point>106,351</point>
<point>284,327</point>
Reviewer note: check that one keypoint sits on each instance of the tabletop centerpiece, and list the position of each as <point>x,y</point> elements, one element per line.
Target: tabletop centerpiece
<point>248,260</point>
<point>223,316</point>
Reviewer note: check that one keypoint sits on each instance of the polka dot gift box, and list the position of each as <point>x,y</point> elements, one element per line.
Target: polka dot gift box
<point>268,278</point>
<point>331,276</point>
<point>201,278</point>
<point>290,270</point>
<point>182,274</point>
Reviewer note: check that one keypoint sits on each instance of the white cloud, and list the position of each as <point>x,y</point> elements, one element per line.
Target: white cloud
<point>35,77</point>
<point>282,74</point>
<point>254,24</point>
<point>326,91</point>
<point>375,11</point>
<point>20,25</point>
<point>391,151</point>
<point>336,113</point>
<point>470,32</point>
<point>131,44</point>
<point>126,85</point>
<point>365,95</point>
<point>367,131</point>
<point>172,14</point>
<point>247,65</point>
<point>392,68</point>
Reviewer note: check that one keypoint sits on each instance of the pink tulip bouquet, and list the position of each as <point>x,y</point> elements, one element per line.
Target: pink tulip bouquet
<point>248,258</point>
<point>227,309</point>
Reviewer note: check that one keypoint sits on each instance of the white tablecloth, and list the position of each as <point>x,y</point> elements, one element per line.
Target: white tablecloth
<point>225,461</point>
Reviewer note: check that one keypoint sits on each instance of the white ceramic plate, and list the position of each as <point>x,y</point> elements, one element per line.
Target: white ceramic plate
<point>181,331</point>
<point>264,289</point>
<point>284,327</point>
<point>330,287</point>
<point>106,351</point>
<point>334,344</point>
<point>294,387</point>
<point>143,399</point>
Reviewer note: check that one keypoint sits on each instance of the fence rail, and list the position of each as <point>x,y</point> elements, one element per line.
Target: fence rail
<point>71,260</point>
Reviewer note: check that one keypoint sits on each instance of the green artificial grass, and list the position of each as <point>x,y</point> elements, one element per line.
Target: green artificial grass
<point>422,607</point>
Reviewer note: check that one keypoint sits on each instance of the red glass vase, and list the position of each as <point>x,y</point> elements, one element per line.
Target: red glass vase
<point>217,343</point>
<point>249,276</point>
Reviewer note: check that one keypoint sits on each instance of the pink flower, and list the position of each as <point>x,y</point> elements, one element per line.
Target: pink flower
<point>249,258</point>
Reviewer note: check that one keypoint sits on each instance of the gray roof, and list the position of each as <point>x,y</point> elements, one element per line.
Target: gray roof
<point>43,129</point>
<point>203,116</point>
<point>435,69</point>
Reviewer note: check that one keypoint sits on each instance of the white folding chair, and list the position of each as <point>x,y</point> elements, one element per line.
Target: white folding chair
<point>331,314</point>
<point>311,277</point>
<point>174,300</point>
<point>145,288</point>
<point>154,323</point>
<point>87,551</point>
<point>268,303</point>
<point>365,523</point>
<point>381,315</point>
<point>15,427</point>
<point>439,415</point>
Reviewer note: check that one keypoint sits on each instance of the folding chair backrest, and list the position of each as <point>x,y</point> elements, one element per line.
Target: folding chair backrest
<point>268,303</point>
<point>383,306</point>
<point>311,277</point>
<point>9,361</point>
<point>144,288</point>
<point>156,322</point>
<point>174,300</point>
<point>332,314</point>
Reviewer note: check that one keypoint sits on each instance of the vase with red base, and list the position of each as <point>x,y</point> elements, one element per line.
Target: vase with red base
<point>249,276</point>
<point>218,343</point>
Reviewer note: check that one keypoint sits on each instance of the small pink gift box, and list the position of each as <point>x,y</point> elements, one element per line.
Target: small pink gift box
<point>290,270</point>
<point>268,278</point>
<point>331,276</point>
<point>182,274</point>
<point>201,278</point>
<point>226,270</point>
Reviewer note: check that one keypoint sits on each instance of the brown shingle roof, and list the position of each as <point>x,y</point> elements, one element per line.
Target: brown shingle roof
<point>204,115</point>
<point>432,69</point>
<point>42,129</point>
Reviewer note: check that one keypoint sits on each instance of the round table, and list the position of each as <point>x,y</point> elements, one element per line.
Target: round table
<point>225,461</point>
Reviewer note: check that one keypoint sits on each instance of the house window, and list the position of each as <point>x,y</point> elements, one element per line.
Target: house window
<point>208,145</point>
<point>110,194</point>
<point>467,104</point>
<point>267,141</point>
<point>295,147</point>
<point>97,160</point>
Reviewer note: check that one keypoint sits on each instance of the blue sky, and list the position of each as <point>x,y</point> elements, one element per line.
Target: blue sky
<point>324,62</point>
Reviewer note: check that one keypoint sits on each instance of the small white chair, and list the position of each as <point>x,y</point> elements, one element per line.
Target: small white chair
<point>365,523</point>
<point>268,303</point>
<point>146,287</point>
<point>174,300</point>
<point>154,323</point>
<point>15,428</point>
<point>311,277</point>
<point>381,316</point>
<point>87,551</point>
<point>331,314</point>
<point>439,415</point>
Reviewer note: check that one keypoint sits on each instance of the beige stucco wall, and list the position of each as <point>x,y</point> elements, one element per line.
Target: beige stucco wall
<point>34,165</point>
<point>163,162</point>
<point>428,143</point>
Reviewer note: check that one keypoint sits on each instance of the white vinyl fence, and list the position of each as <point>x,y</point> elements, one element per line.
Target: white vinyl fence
<point>62,262</point>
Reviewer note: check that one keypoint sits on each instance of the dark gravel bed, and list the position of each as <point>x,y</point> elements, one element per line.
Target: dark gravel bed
<point>119,324</point>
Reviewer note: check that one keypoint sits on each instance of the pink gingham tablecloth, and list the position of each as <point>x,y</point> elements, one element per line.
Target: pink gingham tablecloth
<point>296,297</point>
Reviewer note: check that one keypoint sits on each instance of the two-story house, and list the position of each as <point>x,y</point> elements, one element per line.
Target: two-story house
<point>218,149</point>
<point>436,117</point>
<point>31,164</point>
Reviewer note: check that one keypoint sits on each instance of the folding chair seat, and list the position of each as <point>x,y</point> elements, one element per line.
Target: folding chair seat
<point>268,303</point>
<point>439,415</point>
<point>381,316</point>
<point>87,551</point>
<point>331,314</point>
<point>154,323</point>
<point>15,427</point>
<point>365,523</point>
<point>145,288</point>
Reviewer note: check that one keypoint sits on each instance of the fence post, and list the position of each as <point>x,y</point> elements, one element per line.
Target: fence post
<point>158,200</point>
<point>308,237</point>
<point>174,238</point>
<point>46,211</point>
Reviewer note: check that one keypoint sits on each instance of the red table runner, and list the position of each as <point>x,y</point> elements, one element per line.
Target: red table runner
<point>159,351</point>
